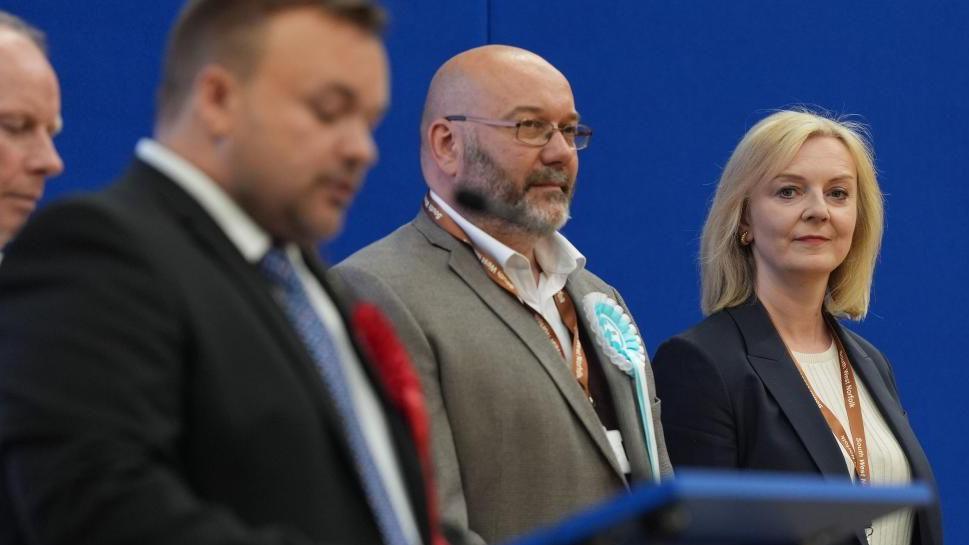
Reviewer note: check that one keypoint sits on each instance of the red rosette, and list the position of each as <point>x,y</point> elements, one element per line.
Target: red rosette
<point>386,352</point>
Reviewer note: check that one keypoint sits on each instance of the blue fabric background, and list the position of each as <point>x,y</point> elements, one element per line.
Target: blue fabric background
<point>669,88</point>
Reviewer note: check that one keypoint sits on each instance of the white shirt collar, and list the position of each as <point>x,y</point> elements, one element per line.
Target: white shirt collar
<point>555,254</point>
<point>252,240</point>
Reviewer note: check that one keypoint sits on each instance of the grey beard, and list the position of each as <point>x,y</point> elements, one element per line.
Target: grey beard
<point>505,202</point>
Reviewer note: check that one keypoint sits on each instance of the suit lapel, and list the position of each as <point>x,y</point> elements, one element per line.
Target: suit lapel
<point>253,288</point>
<point>771,361</point>
<point>343,302</point>
<point>243,274</point>
<point>622,390</point>
<point>399,429</point>
<point>521,322</point>
<point>876,384</point>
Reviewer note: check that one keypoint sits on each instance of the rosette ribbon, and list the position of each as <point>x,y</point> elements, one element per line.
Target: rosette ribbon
<point>617,337</point>
<point>379,340</point>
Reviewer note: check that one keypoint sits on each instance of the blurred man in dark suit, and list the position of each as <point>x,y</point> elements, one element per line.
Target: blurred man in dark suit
<point>30,116</point>
<point>174,366</point>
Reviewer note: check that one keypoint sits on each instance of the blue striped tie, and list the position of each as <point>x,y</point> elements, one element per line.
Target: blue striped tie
<point>291,295</point>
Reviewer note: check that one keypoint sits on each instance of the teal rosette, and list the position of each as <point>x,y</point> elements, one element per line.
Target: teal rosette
<point>614,332</point>
<point>619,340</point>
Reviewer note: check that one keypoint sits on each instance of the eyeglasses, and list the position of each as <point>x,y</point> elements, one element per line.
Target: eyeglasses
<point>535,132</point>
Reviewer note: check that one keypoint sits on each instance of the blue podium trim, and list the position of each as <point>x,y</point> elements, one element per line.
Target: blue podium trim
<point>699,506</point>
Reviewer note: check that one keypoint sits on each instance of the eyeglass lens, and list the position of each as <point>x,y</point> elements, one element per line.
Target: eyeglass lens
<point>540,132</point>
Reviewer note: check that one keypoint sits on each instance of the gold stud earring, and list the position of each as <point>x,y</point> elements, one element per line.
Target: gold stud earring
<point>744,238</point>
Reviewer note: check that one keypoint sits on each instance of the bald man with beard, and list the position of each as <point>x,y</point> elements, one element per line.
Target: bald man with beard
<point>532,417</point>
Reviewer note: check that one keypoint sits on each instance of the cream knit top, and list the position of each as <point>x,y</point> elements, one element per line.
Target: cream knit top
<point>887,462</point>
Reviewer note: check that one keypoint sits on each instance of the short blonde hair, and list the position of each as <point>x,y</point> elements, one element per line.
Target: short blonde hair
<point>727,267</point>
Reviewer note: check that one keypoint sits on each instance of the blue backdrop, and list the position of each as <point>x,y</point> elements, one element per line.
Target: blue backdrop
<point>669,88</point>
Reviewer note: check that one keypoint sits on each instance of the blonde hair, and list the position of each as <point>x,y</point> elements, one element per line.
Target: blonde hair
<point>727,267</point>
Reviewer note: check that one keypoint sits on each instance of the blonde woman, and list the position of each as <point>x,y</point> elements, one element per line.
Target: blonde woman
<point>771,380</point>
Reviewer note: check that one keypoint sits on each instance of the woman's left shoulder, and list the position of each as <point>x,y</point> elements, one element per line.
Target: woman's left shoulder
<point>855,337</point>
<point>858,346</point>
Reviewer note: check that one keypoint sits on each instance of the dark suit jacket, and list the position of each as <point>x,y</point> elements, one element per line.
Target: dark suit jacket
<point>152,391</point>
<point>732,398</point>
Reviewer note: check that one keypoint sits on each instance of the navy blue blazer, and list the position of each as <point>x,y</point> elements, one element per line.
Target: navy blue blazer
<point>733,398</point>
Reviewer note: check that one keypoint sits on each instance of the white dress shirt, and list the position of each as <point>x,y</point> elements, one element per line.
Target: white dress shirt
<point>253,242</point>
<point>556,256</point>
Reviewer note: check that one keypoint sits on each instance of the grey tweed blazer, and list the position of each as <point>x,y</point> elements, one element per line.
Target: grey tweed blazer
<point>516,444</point>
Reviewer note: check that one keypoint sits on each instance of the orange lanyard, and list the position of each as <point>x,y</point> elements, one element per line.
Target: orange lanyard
<point>856,445</point>
<point>563,302</point>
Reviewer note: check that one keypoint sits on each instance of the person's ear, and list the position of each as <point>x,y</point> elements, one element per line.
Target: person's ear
<point>444,146</point>
<point>217,97</point>
<point>745,233</point>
